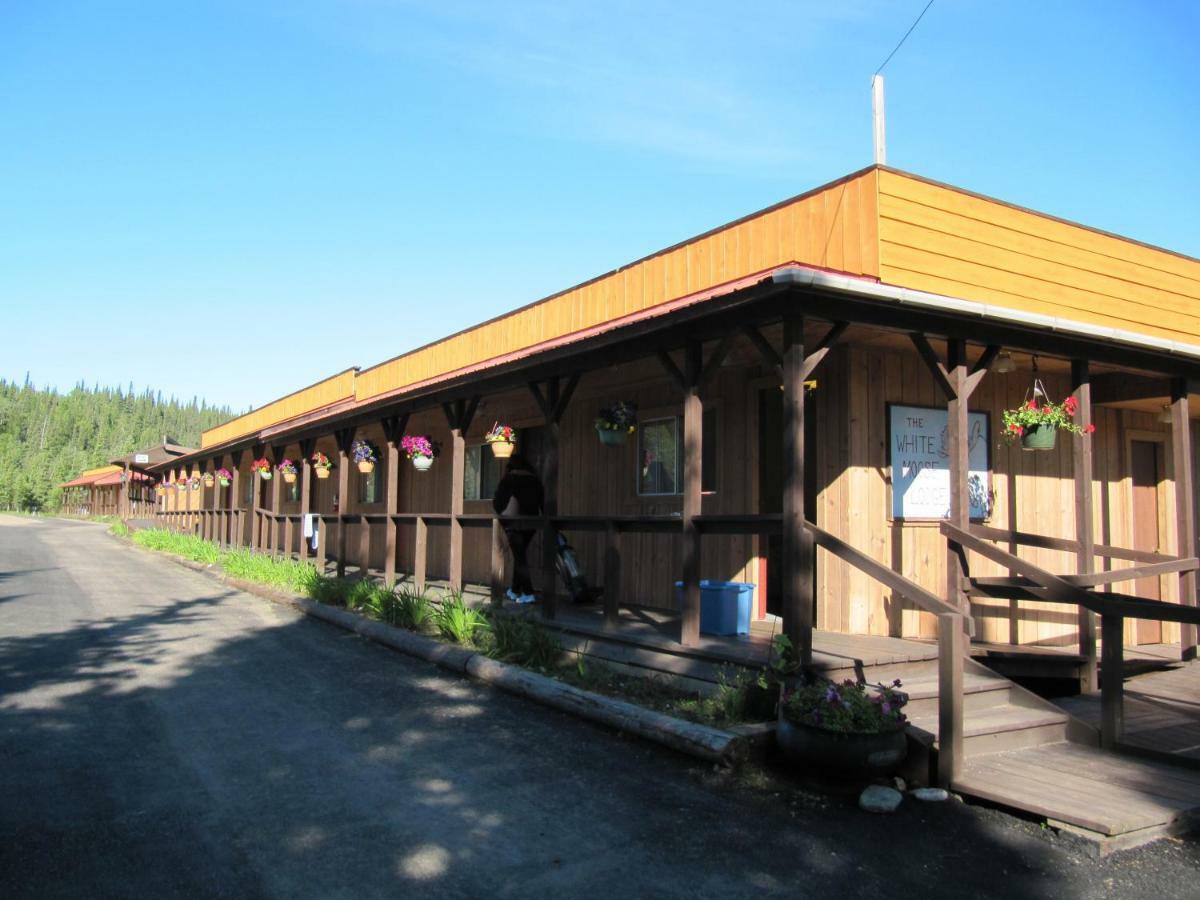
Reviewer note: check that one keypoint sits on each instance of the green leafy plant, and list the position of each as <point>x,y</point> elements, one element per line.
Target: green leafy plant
<point>523,642</point>
<point>414,611</point>
<point>333,591</point>
<point>1031,414</point>
<point>457,622</point>
<point>120,529</point>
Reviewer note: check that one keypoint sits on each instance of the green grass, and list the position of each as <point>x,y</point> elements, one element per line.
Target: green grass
<point>119,528</point>
<point>186,545</point>
<point>522,641</point>
<point>285,574</point>
<point>457,622</point>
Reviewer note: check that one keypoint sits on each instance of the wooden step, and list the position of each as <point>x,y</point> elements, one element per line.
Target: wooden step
<point>979,692</point>
<point>1116,801</point>
<point>999,728</point>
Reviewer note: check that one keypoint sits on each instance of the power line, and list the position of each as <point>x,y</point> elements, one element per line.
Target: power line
<point>905,38</point>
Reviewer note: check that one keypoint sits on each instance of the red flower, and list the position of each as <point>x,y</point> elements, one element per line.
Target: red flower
<point>1070,405</point>
<point>1032,404</point>
<point>1020,429</point>
<point>1090,428</point>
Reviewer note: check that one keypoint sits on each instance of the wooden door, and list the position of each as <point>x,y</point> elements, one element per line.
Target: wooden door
<point>1146,469</point>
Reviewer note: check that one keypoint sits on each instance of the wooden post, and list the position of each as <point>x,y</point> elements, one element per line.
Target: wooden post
<point>237,525</point>
<point>345,440</point>
<point>214,529</point>
<point>497,565</point>
<point>307,446</point>
<point>458,416</point>
<point>277,451</point>
<point>322,533</point>
<point>957,431</point>
<point>951,649</point>
<point>798,548</point>
<point>126,485</point>
<point>1185,512</point>
<point>420,553</point>
<point>612,575</point>
<point>393,432</point>
<point>1112,681</point>
<point>553,404</point>
<point>1085,559</point>
<point>693,455</point>
<point>256,453</point>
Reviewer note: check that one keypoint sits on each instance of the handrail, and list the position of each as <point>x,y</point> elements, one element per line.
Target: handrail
<point>1096,579</point>
<point>1045,542</point>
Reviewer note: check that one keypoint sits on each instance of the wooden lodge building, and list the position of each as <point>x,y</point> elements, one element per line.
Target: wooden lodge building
<point>820,389</point>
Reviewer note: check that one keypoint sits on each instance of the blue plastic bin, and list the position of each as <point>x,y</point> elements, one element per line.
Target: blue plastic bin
<point>724,606</point>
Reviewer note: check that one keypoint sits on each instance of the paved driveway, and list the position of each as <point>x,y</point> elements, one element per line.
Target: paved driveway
<point>161,735</point>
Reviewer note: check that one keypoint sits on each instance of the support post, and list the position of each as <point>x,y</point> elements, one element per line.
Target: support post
<point>951,649</point>
<point>345,440</point>
<point>497,563</point>
<point>458,416</point>
<point>553,404</point>
<point>235,498</point>
<point>307,446</point>
<point>420,553</point>
<point>693,437</point>
<point>798,548</point>
<point>277,452</point>
<point>1112,681</point>
<point>393,432</point>
<point>256,452</point>
<point>957,430</point>
<point>1185,511</point>
<point>126,487</point>
<point>214,528</point>
<point>612,575</point>
<point>1085,559</point>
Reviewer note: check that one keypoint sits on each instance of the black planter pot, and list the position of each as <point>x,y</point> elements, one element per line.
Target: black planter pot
<point>813,747</point>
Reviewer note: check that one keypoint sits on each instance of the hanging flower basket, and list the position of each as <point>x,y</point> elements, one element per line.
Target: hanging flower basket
<point>195,482</point>
<point>224,477</point>
<point>615,423</point>
<point>1037,421</point>
<point>262,467</point>
<point>287,469</point>
<point>420,449</point>
<point>181,486</point>
<point>208,479</point>
<point>365,456</point>
<point>322,465</point>
<point>502,439</point>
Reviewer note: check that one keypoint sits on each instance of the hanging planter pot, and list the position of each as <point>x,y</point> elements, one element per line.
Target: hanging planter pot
<point>262,467</point>
<point>422,463</point>
<point>208,479</point>
<point>287,469</point>
<point>266,476</point>
<point>421,449</point>
<point>1039,437</point>
<point>503,439</point>
<point>366,467</point>
<point>224,477</point>
<point>365,455</point>
<point>322,472</point>
<point>610,437</point>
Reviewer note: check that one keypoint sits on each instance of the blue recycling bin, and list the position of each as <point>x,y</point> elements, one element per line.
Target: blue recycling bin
<point>724,606</point>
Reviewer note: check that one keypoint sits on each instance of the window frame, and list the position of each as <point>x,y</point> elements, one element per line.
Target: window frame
<point>713,409</point>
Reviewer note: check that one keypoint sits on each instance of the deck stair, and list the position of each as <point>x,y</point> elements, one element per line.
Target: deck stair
<point>1025,753</point>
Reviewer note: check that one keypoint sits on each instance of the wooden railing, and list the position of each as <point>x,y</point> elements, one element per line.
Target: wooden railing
<point>1034,583</point>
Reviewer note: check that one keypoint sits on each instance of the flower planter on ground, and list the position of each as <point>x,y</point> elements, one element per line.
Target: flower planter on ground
<point>811,746</point>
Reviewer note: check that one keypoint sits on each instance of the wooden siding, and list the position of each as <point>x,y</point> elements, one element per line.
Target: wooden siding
<point>98,471</point>
<point>1032,491</point>
<point>832,227</point>
<point>306,400</point>
<point>939,239</point>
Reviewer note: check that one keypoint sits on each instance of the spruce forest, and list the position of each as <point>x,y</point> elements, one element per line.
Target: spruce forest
<point>47,438</point>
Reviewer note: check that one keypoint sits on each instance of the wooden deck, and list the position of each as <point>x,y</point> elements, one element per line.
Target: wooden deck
<point>1162,711</point>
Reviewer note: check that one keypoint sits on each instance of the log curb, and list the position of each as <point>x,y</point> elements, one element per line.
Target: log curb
<point>704,742</point>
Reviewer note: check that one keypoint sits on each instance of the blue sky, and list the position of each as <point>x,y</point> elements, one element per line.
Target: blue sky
<point>185,188</point>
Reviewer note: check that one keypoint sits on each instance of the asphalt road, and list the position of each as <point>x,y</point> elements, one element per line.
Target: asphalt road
<point>162,735</point>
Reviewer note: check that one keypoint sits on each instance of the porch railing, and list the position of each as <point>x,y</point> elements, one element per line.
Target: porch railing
<point>1031,582</point>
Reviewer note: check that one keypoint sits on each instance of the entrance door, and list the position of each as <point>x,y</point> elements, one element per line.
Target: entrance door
<point>770,484</point>
<point>1146,467</point>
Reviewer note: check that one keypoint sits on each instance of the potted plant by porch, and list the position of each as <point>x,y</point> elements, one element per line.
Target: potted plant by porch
<point>321,464</point>
<point>420,449</point>
<point>848,727</point>
<point>224,477</point>
<point>365,456</point>
<point>262,467</point>
<point>615,423</point>
<point>1037,425</point>
<point>502,439</point>
<point>287,469</point>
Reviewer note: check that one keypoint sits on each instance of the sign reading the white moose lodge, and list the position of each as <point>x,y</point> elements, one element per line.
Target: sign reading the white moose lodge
<point>921,465</point>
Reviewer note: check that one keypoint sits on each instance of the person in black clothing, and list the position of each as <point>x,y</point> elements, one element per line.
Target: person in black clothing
<point>519,493</point>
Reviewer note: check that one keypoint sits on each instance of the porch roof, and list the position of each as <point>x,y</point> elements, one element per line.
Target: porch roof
<point>917,241</point>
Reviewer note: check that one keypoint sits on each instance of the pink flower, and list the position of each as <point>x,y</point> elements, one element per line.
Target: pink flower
<point>1090,428</point>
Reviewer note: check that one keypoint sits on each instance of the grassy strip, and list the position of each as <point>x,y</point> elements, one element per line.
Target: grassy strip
<point>512,639</point>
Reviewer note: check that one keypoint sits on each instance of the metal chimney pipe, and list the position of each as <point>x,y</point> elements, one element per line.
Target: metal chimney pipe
<point>879,120</point>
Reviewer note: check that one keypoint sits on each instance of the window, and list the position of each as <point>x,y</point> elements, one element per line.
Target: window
<point>250,481</point>
<point>370,486</point>
<point>660,455</point>
<point>293,491</point>
<point>482,472</point>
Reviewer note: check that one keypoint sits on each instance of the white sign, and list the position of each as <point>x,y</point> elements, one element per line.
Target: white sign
<point>921,465</point>
<point>141,458</point>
